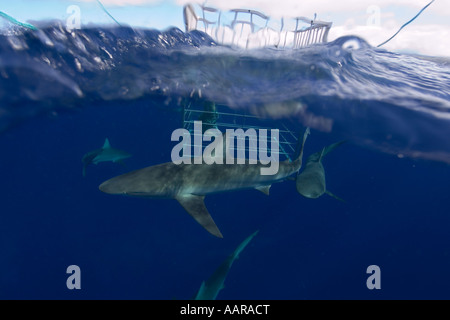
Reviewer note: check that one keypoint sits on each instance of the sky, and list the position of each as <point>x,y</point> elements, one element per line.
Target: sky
<point>373,20</point>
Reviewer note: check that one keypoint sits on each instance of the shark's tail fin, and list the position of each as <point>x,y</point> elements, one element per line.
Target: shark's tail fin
<point>243,244</point>
<point>322,153</point>
<point>299,149</point>
<point>84,170</point>
<point>211,287</point>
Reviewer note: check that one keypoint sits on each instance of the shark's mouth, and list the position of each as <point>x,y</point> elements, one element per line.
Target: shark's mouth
<point>136,194</point>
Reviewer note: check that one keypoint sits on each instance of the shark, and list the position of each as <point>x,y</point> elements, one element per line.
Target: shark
<point>310,182</point>
<point>190,183</point>
<point>211,287</point>
<point>105,153</point>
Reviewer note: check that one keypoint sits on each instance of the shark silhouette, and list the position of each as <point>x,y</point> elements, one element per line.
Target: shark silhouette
<point>211,287</point>
<point>190,183</point>
<point>311,181</point>
<point>105,153</point>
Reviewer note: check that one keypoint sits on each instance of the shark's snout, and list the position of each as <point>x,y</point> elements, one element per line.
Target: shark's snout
<point>110,187</point>
<point>311,191</point>
<point>312,195</point>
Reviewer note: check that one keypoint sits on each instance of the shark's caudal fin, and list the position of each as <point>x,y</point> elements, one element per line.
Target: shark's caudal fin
<point>195,206</point>
<point>211,287</point>
<point>322,154</point>
<point>300,144</point>
<point>201,292</point>
<point>244,244</point>
<point>299,149</point>
<point>106,145</point>
<point>84,169</point>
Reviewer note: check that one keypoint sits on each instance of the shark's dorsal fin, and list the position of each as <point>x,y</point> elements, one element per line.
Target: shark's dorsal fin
<point>106,145</point>
<point>334,196</point>
<point>264,189</point>
<point>195,206</point>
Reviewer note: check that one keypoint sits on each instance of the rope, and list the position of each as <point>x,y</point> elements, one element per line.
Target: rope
<point>12,20</point>
<point>106,11</point>
<point>406,24</point>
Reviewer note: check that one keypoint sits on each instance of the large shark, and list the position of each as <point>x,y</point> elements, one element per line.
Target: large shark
<point>105,153</point>
<point>190,183</point>
<point>211,287</point>
<point>311,181</point>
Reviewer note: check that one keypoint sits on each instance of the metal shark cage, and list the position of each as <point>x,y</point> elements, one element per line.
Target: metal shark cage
<point>222,118</point>
<point>248,29</point>
<point>253,29</point>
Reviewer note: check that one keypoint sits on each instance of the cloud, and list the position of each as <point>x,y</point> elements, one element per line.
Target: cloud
<point>292,8</point>
<point>289,8</point>
<point>421,39</point>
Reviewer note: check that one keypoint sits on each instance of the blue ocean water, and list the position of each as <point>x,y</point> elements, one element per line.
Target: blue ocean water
<point>62,93</point>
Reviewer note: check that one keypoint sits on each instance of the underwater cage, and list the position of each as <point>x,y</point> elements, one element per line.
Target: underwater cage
<point>216,116</point>
<point>253,29</point>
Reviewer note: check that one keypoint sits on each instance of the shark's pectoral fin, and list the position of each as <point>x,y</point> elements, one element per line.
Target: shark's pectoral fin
<point>334,196</point>
<point>264,189</point>
<point>195,206</point>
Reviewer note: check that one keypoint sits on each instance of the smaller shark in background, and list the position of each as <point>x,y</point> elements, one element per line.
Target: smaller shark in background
<point>211,287</point>
<point>105,153</point>
<point>311,181</point>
